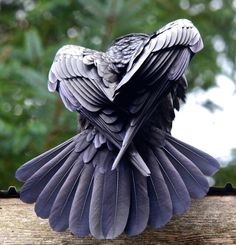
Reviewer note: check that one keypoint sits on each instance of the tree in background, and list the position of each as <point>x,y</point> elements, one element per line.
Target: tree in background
<point>31,119</point>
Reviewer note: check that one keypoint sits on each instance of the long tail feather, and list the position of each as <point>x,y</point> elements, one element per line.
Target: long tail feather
<point>79,214</point>
<point>29,168</point>
<point>74,186</point>
<point>36,183</point>
<point>160,200</point>
<point>177,189</point>
<point>110,202</point>
<point>206,163</point>
<point>193,178</point>
<point>59,215</point>
<point>47,196</point>
<point>139,208</point>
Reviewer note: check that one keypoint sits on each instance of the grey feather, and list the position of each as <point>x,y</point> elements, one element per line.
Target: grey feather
<point>29,168</point>
<point>90,135</point>
<point>70,68</point>
<point>110,203</point>
<point>36,183</point>
<point>97,142</point>
<point>82,143</point>
<point>139,207</point>
<point>49,193</point>
<point>63,67</point>
<point>177,189</point>
<point>89,153</point>
<point>193,178</point>
<point>60,211</point>
<point>79,214</point>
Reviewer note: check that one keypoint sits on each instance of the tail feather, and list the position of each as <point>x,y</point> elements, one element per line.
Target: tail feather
<point>139,207</point>
<point>193,178</point>
<point>206,163</point>
<point>74,184</point>
<point>29,168</point>
<point>103,160</point>
<point>110,202</point>
<point>49,193</point>
<point>79,214</point>
<point>59,214</point>
<point>160,200</point>
<point>36,183</point>
<point>177,189</point>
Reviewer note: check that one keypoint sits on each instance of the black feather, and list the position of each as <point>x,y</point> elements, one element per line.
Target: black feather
<point>161,208</point>
<point>193,178</point>
<point>206,163</point>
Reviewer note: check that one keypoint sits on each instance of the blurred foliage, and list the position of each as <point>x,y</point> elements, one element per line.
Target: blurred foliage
<point>227,174</point>
<point>31,119</point>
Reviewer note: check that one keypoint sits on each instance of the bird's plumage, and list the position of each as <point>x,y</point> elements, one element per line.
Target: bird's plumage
<point>124,171</point>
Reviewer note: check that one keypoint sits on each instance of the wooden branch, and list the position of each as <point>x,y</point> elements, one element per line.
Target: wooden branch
<point>211,220</point>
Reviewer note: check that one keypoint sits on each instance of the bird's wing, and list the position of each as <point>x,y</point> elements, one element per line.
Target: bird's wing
<point>81,77</point>
<point>84,82</point>
<point>154,58</point>
<point>154,71</point>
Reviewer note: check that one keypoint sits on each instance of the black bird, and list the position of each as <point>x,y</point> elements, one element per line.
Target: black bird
<point>124,171</point>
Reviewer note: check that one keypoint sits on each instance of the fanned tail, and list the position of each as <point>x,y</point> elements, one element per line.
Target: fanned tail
<point>206,163</point>
<point>74,186</point>
<point>178,173</point>
<point>29,168</point>
<point>44,172</point>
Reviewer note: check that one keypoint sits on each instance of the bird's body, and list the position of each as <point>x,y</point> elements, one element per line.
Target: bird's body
<point>124,171</point>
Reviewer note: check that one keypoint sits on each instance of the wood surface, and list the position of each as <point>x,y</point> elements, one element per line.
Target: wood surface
<point>211,220</point>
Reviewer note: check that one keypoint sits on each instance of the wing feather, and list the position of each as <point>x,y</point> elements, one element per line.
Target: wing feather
<point>162,76</point>
<point>165,39</point>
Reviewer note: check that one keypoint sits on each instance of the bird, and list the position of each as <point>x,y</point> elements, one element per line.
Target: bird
<point>124,171</point>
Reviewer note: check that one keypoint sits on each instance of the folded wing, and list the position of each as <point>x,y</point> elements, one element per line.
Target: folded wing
<point>154,72</point>
<point>85,81</point>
